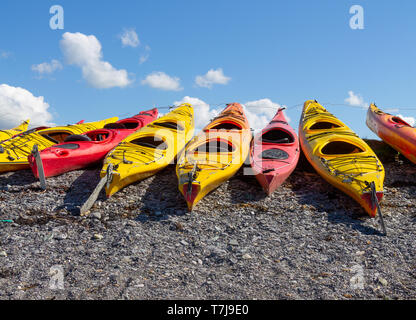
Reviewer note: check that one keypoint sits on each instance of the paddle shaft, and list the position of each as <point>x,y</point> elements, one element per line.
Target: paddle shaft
<point>39,166</point>
<point>94,195</point>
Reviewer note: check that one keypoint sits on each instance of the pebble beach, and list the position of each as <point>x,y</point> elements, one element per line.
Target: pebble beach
<point>307,240</point>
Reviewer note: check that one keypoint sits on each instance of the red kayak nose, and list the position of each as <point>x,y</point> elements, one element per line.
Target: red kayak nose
<point>190,195</point>
<point>369,206</point>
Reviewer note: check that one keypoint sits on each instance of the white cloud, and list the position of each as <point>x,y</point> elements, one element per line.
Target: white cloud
<point>161,80</point>
<point>145,56</point>
<point>47,67</point>
<point>259,113</point>
<point>409,120</point>
<point>18,104</point>
<point>129,38</point>
<point>356,100</point>
<point>212,77</point>
<point>5,54</point>
<point>85,52</point>
<point>202,112</point>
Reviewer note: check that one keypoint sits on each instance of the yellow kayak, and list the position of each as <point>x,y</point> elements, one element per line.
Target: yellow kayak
<point>150,149</point>
<point>7,134</point>
<point>340,156</point>
<point>14,151</point>
<point>215,155</point>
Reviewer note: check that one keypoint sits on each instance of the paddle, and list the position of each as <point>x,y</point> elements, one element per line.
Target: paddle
<point>94,195</point>
<point>39,164</point>
<point>375,200</point>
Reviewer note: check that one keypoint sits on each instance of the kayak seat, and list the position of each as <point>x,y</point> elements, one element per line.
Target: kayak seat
<point>226,126</point>
<point>130,124</point>
<point>340,147</point>
<point>77,137</point>
<point>215,146</point>
<point>115,125</point>
<point>150,142</point>
<point>56,137</point>
<point>277,136</point>
<point>322,125</point>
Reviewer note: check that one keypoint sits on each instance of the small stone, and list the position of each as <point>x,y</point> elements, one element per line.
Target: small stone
<point>382,281</point>
<point>359,253</point>
<point>96,215</point>
<point>60,236</point>
<point>233,242</point>
<point>158,213</point>
<point>98,236</point>
<point>247,256</point>
<point>3,254</point>
<point>184,243</point>
<point>126,259</point>
<point>199,261</point>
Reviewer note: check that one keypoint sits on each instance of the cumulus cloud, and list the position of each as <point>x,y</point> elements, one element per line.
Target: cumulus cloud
<point>129,38</point>
<point>47,67</point>
<point>18,104</point>
<point>259,113</point>
<point>356,100</point>
<point>212,77</point>
<point>85,52</point>
<point>409,120</point>
<point>161,80</point>
<point>202,111</point>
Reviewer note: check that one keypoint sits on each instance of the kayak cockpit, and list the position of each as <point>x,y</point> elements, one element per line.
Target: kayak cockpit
<point>214,146</point>
<point>56,136</point>
<point>399,121</point>
<point>277,136</point>
<point>170,125</point>
<point>150,142</point>
<point>226,125</point>
<point>324,125</point>
<point>340,147</point>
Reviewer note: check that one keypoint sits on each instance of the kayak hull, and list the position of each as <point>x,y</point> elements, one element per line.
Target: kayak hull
<point>274,153</point>
<point>340,156</point>
<point>214,155</point>
<point>149,150</point>
<point>394,131</point>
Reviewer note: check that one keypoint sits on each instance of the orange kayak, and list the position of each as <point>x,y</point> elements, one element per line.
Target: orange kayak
<point>394,131</point>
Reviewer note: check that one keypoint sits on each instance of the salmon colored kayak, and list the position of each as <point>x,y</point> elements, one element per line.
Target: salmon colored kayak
<point>90,148</point>
<point>274,153</point>
<point>394,131</point>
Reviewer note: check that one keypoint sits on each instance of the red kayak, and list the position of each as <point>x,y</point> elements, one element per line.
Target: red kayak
<point>80,151</point>
<point>274,153</point>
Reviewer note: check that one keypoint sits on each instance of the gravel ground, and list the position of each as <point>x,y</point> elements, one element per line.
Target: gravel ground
<point>307,241</point>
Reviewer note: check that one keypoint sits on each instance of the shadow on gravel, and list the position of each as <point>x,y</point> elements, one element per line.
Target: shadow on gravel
<point>162,196</point>
<point>81,189</point>
<point>314,192</point>
<point>244,187</point>
<point>18,178</point>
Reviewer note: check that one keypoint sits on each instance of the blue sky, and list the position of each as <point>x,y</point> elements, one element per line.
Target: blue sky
<point>284,51</point>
